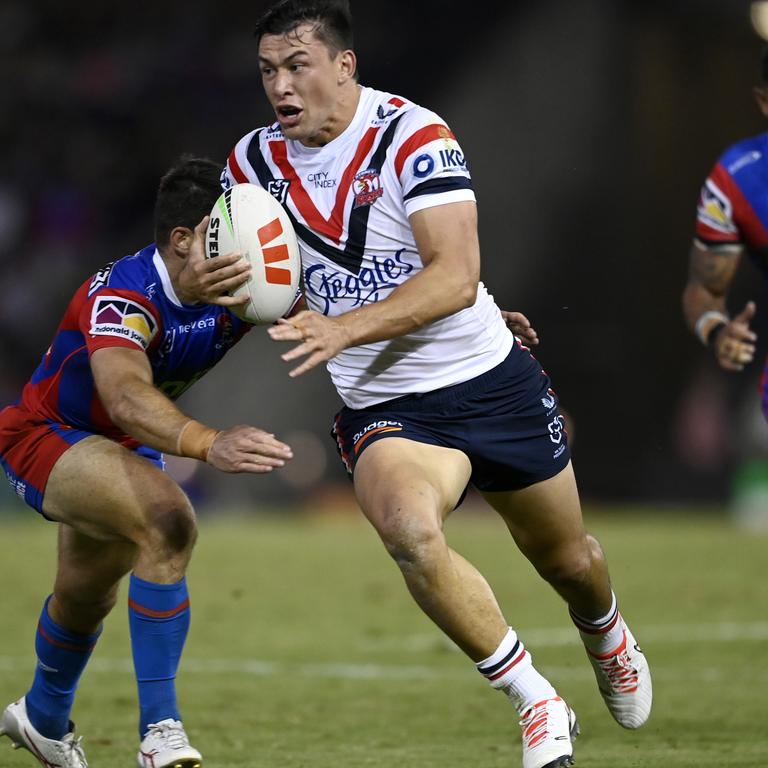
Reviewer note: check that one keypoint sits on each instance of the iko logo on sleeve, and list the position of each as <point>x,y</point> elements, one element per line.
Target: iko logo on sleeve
<point>122,318</point>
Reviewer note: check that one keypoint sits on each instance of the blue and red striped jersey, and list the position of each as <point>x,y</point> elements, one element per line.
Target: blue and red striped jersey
<point>733,205</point>
<point>129,303</point>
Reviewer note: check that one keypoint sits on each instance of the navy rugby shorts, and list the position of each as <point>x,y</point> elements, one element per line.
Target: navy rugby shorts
<point>506,421</point>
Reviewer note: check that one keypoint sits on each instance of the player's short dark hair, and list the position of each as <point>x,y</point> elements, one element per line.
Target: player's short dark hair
<point>187,192</point>
<point>332,21</point>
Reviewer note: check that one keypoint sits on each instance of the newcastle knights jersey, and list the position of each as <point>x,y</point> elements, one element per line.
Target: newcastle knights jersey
<point>129,303</point>
<point>349,202</point>
<point>733,207</point>
<point>733,210</point>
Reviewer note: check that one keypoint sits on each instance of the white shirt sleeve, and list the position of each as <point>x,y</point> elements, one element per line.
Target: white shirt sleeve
<point>430,163</point>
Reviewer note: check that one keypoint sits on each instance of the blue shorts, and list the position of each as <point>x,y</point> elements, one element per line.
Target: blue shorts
<point>506,421</point>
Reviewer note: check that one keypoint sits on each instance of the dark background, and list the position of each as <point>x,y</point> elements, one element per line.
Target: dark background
<point>589,127</point>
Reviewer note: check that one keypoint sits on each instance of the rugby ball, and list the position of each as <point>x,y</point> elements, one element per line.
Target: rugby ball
<point>246,218</point>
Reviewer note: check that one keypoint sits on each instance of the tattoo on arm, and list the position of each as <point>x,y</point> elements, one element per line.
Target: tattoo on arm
<point>713,270</point>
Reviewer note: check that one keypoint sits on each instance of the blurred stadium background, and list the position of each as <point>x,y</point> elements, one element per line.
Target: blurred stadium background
<point>589,127</point>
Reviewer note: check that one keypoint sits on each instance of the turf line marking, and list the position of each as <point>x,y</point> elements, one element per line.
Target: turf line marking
<point>722,632</point>
<point>725,632</point>
<point>331,670</point>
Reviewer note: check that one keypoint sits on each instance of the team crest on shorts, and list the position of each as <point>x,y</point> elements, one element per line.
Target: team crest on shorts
<point>367,186</point>
<point>556,427</point>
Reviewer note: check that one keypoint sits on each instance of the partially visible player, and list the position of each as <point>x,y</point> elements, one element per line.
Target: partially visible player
<point>437,392</point>
<point>83,447</point>
<point>732,219</point>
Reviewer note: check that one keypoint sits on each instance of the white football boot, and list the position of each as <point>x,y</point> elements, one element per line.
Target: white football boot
<point>66,753</point>
<point>165,745</point>
<point>549,728</point>
<point>624,680</point>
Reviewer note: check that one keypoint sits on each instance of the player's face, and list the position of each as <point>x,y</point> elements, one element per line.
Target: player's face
<point>303,80</point>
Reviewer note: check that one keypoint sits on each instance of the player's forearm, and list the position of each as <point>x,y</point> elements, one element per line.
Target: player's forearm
<point>147,415</point>
<point>434,293</point>
<point>711,272</point>
<point>702,302</point>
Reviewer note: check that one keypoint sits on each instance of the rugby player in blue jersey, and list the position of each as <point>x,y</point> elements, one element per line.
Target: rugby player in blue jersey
<point>83,445</point>
<point>437,393</point>
<point>731,220</point>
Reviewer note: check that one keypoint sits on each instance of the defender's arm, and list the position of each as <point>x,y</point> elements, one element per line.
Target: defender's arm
<point>123,380</point>
<point>704,306</point>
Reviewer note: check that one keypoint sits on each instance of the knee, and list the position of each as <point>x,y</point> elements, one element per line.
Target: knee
<point>169,526</point>
<point>595,550</point>
<point>568,567</point>
<point>412,544</point>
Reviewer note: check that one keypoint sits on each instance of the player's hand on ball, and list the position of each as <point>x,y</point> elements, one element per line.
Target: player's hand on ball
<point>321,338</point>
<point>735,341</point>
<point>521,326</point>
<point>209,281</point>
<point>248,449</point>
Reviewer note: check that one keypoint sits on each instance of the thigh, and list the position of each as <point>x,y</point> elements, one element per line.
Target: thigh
<point>398,482</point>
<point>544,518</point>
<point>29,449</point>
<point>107,492</point>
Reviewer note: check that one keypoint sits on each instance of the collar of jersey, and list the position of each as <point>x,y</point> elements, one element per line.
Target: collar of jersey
<point>165,278</point>
<point>360,112</point>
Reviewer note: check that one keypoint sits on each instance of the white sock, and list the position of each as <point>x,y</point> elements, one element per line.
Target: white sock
<point>601,635</point>
<point>510,669</point>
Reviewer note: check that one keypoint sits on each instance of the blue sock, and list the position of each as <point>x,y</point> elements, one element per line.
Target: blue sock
<point>62,656</point>
<point>159,619</point>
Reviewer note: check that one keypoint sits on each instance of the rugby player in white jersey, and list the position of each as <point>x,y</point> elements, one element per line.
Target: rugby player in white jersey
<point>438,393</point>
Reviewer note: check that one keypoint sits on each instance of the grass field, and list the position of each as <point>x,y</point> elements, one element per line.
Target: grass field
<point>306,652</point>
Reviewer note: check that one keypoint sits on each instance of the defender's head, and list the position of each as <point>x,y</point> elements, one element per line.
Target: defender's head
<point>186,194</point>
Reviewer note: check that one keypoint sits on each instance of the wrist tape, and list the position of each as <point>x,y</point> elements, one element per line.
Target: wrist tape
<point>704,323</point>
<point>195,440</point>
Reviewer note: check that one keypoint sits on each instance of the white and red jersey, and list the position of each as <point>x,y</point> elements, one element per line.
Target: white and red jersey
<point>349,202</point>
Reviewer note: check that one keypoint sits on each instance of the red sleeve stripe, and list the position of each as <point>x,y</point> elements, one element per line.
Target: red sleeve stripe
<point>751,229</point>
<point>419,139</point>
<point>235,168</point>
<point>747,220</point>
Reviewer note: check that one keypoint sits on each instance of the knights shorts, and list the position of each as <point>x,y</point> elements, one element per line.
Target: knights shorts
<point>30,446</point>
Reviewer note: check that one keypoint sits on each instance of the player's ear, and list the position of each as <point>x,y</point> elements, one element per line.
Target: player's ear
<point>347,66</point>
<point>181,241</point>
